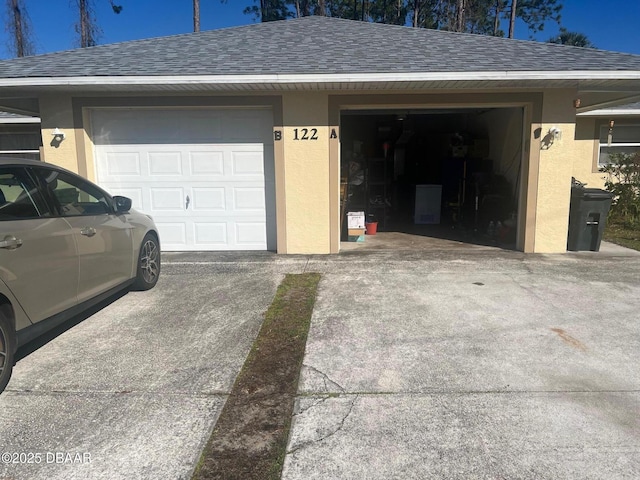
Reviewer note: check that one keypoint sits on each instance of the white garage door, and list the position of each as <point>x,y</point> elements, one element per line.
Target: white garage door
<point>206,176</point>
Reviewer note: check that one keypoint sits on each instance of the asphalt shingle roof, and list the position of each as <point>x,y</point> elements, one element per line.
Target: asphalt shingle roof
<point>316,45</point>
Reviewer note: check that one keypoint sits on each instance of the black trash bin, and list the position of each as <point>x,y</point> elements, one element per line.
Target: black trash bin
<point>587,218</point>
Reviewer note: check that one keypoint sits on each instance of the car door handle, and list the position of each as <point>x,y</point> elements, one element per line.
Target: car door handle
<point>88,231</point>
<point>10,242</point>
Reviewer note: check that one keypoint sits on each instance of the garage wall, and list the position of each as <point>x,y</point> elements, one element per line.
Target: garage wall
<point>557,158</point>
<point>585,166</point>
<point>57,112</point>
<point>307,173</point>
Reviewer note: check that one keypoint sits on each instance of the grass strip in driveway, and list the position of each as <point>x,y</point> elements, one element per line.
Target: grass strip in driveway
<point>250,438</point>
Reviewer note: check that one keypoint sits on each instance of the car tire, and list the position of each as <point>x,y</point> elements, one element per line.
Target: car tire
<point>7,345</point>
<point>148,263</point>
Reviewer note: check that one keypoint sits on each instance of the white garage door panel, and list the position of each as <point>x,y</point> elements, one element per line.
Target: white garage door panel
<point>209,199</point>
<point>248,234</point>
<point>207,163</point>
<point>248,199</point>
<point>202,196</point>
<point>210,233</point>
<point>167,199</point>
<point>165,163</point>
<point>119,164</point>
<point>172,233</point>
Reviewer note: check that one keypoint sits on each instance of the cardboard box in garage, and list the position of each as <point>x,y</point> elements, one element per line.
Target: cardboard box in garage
<point>355,220</point>
<point>355,234</point>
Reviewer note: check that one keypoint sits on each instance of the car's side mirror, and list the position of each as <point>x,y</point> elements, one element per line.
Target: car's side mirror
<point>122,204</point>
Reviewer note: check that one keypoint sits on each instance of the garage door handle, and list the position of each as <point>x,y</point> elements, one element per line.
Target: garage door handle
<point>11,243</point>
<point>187,203</point>
<point>88,231</point>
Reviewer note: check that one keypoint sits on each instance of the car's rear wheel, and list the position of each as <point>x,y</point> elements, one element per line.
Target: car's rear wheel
<point>148,263</point>
<point>7,345</point>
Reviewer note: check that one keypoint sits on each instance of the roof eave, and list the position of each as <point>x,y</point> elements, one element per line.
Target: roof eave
<point>319,79</point>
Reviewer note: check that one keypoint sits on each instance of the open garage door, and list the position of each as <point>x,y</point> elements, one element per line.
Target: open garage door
<point>205,175</point>
<point>448,173</point>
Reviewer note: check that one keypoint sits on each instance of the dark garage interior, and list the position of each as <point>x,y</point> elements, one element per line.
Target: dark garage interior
<point>447,173</point>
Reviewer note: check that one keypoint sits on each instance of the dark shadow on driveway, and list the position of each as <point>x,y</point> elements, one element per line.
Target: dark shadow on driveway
<point>39,342</point>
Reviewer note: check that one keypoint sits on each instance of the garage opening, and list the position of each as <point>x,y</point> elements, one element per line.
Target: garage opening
<point>449,173</point>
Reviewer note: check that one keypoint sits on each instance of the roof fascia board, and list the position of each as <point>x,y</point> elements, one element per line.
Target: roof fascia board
<point>13,120</point>
<point>316,79</point>
<point>606,107</point>
<point>610,112</point>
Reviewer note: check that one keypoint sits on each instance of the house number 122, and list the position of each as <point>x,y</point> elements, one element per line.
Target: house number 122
<point>305,134</point>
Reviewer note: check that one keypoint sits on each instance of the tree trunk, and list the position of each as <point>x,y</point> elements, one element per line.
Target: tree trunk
<point>322,8</point>
<point>17,27</point>
<point>85,37</point>
<point>196,15</point>
<point>460,16</point>
<point>512,22</point>
<point>496,20</point>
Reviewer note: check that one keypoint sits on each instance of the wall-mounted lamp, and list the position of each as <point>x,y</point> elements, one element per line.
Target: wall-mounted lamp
<point>555,133</point>
<point>576,103</point>
<point>58,135</point>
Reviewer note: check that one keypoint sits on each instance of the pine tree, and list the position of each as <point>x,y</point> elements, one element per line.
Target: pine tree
<point>19,28</point>
<point>270,10</point>
<point>87,26</point>
<point>471,16</point>
<point>196,15</point>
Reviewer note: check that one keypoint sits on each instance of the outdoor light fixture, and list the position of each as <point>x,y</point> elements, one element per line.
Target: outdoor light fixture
<point>555,133</point>
<point>58,135</point>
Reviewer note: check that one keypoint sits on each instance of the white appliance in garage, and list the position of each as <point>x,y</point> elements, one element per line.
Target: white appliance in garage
<point>205,175</point>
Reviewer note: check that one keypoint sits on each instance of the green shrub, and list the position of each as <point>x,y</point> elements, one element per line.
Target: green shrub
<point>624,182</point>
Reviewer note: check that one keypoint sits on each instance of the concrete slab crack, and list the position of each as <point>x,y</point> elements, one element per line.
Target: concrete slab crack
<point>329,434</point>
<point>314,404</point>
<point>325,378</point>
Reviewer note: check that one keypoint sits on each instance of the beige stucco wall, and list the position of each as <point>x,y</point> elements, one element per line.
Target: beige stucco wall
<point>306,173</point>
<point>557,159</point>
<point>585,167</point>
<point>57,112</point>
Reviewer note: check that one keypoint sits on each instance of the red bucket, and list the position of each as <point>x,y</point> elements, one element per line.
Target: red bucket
<point>371,228</point>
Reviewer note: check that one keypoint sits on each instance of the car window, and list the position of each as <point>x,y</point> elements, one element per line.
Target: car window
<point>19,196</point>
<point>74,196</point>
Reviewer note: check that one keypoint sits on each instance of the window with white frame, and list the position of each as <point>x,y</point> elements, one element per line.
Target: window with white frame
<point>624,139</point>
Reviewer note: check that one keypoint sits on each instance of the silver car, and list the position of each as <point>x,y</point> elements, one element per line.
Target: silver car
<point>65,245</point>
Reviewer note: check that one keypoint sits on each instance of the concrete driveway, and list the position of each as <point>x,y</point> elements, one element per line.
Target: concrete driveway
<point>134,391</point>
<point>447,363</point>
<point>471,364</point>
